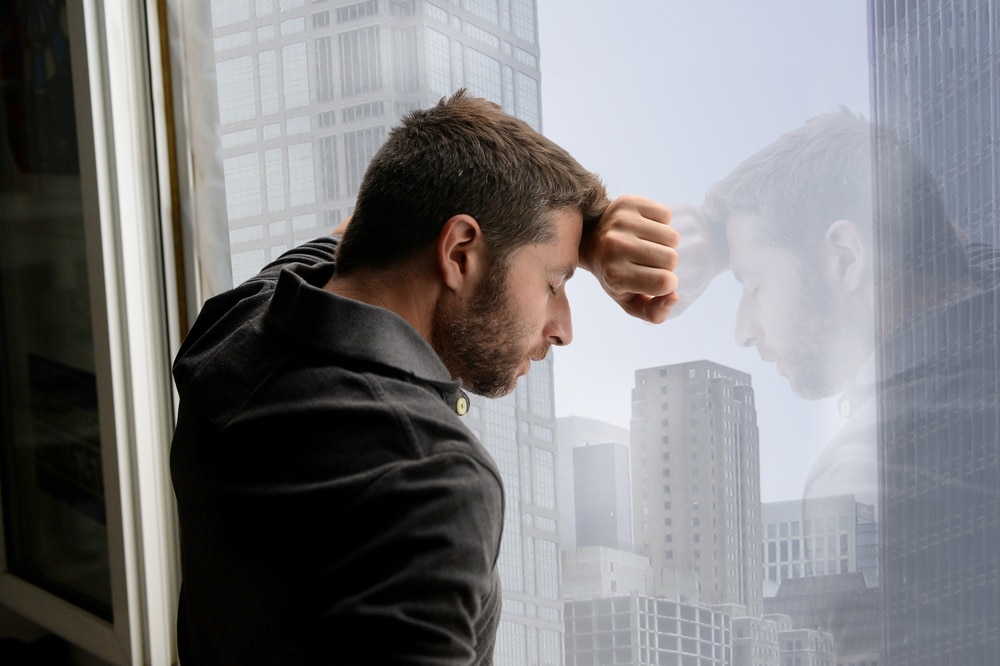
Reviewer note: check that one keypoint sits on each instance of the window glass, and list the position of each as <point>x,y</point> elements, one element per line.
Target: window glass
<point>832,169</point>
<point>54,509</point>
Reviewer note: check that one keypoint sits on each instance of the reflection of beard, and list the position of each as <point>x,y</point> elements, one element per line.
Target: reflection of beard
<point>813,361</point>
<point>483,344</point>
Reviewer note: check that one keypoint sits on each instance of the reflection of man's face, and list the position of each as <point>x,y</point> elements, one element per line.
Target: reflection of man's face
<point>786,311</point>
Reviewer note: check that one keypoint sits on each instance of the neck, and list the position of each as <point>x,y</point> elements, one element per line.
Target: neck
<point>404,290</point>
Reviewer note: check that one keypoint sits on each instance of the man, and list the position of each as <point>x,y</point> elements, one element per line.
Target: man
<point>333,507</point>
<point>905,329</point>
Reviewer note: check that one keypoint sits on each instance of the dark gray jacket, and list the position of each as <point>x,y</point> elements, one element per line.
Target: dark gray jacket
<point>333,507</point>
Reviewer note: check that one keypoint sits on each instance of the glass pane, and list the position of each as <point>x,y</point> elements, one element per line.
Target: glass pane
<point>53,494</point>
<point>839,375</point>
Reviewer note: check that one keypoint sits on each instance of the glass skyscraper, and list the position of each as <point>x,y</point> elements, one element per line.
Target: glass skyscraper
<point>308,90</point>
<point>934,90</point>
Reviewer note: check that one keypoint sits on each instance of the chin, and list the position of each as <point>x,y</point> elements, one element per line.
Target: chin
<point>813,390</point>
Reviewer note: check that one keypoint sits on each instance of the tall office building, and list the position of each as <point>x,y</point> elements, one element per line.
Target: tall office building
<point>308,91</point>
<point>935,85</point>
<point>696,482</point>
<point>818,536</point>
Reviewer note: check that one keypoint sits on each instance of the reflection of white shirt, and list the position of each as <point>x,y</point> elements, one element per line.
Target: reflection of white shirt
<point>848,464</point>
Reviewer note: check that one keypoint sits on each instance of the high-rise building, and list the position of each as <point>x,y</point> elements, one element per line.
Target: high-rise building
<point>308,91</point>
<point>935,86</point>
<point>818,536</point>
<point>696,482</point>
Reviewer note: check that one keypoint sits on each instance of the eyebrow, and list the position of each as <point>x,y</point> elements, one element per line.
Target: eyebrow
<point>566,272</point>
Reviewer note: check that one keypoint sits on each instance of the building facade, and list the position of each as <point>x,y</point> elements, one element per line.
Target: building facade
<point>308,91</point>
<point>934,86</point>
<point>643,631</point>
<point>818,536</point>
<point>696,482</point>
<point>592,572</point>
<point>755,640</point>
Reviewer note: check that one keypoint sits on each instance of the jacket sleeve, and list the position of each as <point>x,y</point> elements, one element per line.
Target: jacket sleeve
<point>422,575</point>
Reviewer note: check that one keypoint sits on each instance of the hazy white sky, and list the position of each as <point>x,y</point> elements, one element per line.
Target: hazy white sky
<point>662,98</point>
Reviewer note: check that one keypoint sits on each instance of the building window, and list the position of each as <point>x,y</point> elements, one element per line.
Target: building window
<point>360,61</point>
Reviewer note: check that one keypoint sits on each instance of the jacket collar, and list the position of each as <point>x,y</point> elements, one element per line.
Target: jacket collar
<point>319,320</point>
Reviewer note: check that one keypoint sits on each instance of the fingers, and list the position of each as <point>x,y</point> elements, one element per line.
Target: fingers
<point>652,279</point>
<point>644,218</point>
<point>632,252</point>
<point>655,310</point>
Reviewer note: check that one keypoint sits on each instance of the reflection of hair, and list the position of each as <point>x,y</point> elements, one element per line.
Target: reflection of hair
<point>464,155</point>
<point>838,166</point>
<point>802,182</point>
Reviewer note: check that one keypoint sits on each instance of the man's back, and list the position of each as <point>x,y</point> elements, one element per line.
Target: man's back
<point>333,507</point>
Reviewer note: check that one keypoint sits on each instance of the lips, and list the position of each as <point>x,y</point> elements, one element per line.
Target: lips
<point>539,354</point>
<point>767,355</point>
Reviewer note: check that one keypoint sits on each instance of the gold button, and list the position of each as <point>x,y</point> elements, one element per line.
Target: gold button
<point>462,405</point>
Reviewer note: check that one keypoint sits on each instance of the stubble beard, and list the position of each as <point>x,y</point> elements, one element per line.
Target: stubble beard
<point>482,343</point>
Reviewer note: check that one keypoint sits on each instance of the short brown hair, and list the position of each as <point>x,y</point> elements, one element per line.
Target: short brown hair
<point>464,156</point>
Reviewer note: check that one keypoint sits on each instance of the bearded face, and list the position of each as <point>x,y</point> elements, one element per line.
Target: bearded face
<point>486,344</point>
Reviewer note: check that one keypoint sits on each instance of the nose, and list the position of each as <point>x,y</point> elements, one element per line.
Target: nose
<point>746,331</point>
<point>559,330</point>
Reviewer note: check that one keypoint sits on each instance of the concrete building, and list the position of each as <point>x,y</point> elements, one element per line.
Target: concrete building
<point>755,639</point>
<point>696,482</point>
<point>817,537</point>
<point>806,647</point>
<point>645,631</point>
<point>595,571</point>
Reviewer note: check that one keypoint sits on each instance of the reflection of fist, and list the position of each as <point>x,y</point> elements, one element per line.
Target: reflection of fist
<point>632,253</point>
<point>704,254</point>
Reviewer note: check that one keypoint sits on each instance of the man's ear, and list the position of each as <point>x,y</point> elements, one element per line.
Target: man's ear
<point>460,250</point>
<point>846,256</point>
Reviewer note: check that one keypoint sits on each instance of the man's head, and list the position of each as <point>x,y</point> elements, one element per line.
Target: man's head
<point>463,156</point>
<point>803,224</point>
<point>796,217</point>
<point>498,211</point>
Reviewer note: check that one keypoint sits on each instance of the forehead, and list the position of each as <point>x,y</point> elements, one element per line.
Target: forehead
<point>746,230</point>
<point>750,247</point>
<point>564,244</point>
